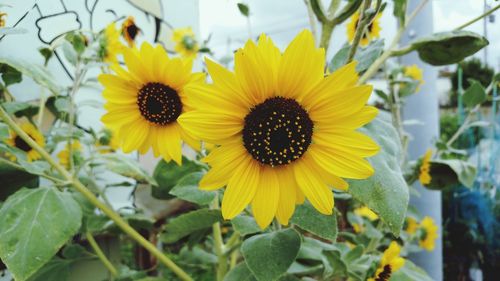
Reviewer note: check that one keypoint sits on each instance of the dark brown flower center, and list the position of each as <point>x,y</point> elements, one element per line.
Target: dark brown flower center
<point>385,274</point>
<point>277,131</point>
<point>21,144</point>
<point>132,31</point>
<point>159,104</point>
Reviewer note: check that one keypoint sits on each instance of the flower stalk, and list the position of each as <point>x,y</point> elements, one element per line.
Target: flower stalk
<point>100,254</point>
<point>219,247</point>
<point>116,218</point>
<point>362,22</point>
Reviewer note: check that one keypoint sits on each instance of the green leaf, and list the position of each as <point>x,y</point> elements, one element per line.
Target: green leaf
<point>364,56</point>
<point>126,167</point>
<point>269,255</point>
<point>245,225</point>
<point>10,75</point>
<point>410,272</point>
<point>167,175</point>
<point>187,189</point>
<point>449,47</point>
<point>338,266</point>
<point>38,73</point>
<point>4,131</point>
<point>69,53</point>
<point>474,95</point>
<point>20,109</point>
<point>308,218</point>
<point>244,10</point>
<point>34,224</point>
<point>47,54</point>
<point>449,172</point>
<point>14,179</point>
<point>386,192</point>
<point>186,224</point>
<point>400,10</point>
<point>240,273</point>
<point>55,269</point>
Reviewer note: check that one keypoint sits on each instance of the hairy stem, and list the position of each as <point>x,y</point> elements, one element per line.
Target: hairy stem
<point>478,18</point>
<point>119,221</point>
<point>219,246</point>
<point>105,261</point>
<point>362,22</point>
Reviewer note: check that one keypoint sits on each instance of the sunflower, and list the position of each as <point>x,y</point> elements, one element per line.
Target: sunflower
<point>282,129</point>
<point>19,143</point>
<point>371,32</point>
<point>425,176</point>
<point>2,19</point>
<point>111,46</point>
<point>185,42</point>
<point>144,101</point>
<point>429,234</point>
<point>63,155</point>
<point>411,225</point>
<point>415,73</point>
<point>358,228</point>
<point>389,263</point>
<point>130,31</point>
<point>366,212</point>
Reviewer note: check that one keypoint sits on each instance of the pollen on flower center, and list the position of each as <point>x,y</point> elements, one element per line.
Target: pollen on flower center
<point>277,131</point>
<point>158,103</point>
<point>385,274</point>
<point>21,144</point>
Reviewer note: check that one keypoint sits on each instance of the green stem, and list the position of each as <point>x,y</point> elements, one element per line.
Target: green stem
<point>326,34</point>
<point>310,15</point>
<point>41,108</point>
<point>478,18</point>
<point>105,261</point>
<point>219,246</point>
<point>387,53</point>
<point>119,221</point>
<point>362,22</point>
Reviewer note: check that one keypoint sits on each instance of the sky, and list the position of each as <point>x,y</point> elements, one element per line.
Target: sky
<point>283,19</point>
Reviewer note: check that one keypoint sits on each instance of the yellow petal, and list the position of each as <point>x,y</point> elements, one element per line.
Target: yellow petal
<point>241,188</point>
<point>351,122</point>
<point>287,200</point>
<point>316,191</point>
<point>169,142</point>
<point>351,142</point>
<point>225,159</point>
<point>214,127</point>
<point>133,135</point>
<point>265,201</point>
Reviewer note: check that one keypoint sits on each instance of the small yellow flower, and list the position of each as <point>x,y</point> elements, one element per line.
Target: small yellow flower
<point>425,167</point>
<point>109,142</point>
<point>130,31</point>
<point>186,44</point>
<point>430,234</point>
<point>358,228</point>
<point>411,225</point>
<point>2,19</point>
<point>389,263</point>
<point>371,32</point>
<point>63,155</point>
<point>112,45</point>
<point>19,143</point>
<point>415,73</point>
<point>366,212</point>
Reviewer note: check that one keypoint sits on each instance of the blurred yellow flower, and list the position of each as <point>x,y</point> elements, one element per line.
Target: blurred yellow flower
<point>415,73</point>
<point>109,142</point>
<point>366,212</point>
<point>425,167</point>
<point>186,44</point>
<point>389,263</point>
<point>358,228</point>
<point>371,32</point>
<point>130,31</point>
<point>2,19</point>
<point>411,225</point>
<point>17,142</point>
<point>63,155</point>
<point>429,235</point>
<point>112,45</point>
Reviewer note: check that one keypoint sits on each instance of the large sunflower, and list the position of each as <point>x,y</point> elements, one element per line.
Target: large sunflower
<point>144,101</point>
<point>18,142</point>
<point>283,130</point>
<point>371,32</point>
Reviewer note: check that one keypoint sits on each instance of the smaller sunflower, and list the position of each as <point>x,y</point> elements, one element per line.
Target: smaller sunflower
<point>389,263</point>
<point>186,44</point>
<point>108,142</point>
<point>366,212</point>
<point>371,32</point>
<point>2,19</point>
<point>130,30</point>
<point>358,228</point>
<point>63,155</point>
<point>111,46</point>
<point>18,142</point>
<point>415,73</point>
<point>425,168</point>
<point>411,225</point>
<point>429,234</point>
